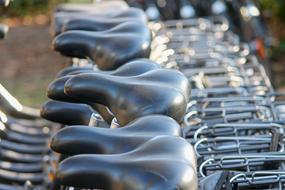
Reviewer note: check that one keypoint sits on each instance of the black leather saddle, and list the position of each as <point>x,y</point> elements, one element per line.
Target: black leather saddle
<point>71,140</point>
<point>67,113</point>
<point>108,49</point>
<point>160,91</point>
<point>61,19</point>
<point>163,162</point>
<point>54,112</point>
<point>56,90</point>
<point>93,24</point>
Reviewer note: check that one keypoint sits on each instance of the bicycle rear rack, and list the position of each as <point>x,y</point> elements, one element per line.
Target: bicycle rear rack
<point>234,118</point>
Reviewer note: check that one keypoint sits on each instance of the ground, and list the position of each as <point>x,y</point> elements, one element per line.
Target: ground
<point>28,63</point>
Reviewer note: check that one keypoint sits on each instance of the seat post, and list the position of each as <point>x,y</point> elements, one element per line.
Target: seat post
<point>114,124</point>
<point>96,120</point>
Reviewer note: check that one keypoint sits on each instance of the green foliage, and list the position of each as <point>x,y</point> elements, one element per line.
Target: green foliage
<point>29,7</point>
<point>277,8</point>
<point>20,7</point>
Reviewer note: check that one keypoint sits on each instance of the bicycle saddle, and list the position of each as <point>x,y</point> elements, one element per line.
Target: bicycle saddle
<point>109,49</point>
<point>163,162</point>
<point>67,113</point>
<point>56,92</point>
<point>62,18</point>
<point>93,24</point>
<point>160,91</point>
<point>70,140</point>
<point>56,89</point>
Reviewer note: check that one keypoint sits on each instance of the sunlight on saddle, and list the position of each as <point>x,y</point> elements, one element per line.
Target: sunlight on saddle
<point>188,176</point>
<point>145,45</point>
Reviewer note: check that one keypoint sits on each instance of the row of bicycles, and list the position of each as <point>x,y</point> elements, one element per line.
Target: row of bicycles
<point>138,100</point>
<point>244,16</point>
<point>178,104</point>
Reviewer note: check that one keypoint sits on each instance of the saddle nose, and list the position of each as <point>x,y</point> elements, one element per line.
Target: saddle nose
<point>67,113</point>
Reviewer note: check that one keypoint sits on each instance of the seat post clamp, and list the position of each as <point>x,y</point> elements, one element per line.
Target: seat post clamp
<point>95,120</point>
<point>115,123</point>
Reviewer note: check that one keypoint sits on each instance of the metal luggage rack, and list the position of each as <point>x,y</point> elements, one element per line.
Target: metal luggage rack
<point>235,130</point>
<point>252,171</point>
<point>241,113</point>
<point>278,105</point>
<point>267,180</point>
<point>209,66</point>
<point>227,110</point>
<point>235,119</point>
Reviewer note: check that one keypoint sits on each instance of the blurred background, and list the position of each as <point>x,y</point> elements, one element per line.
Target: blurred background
<point>28,64</point>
